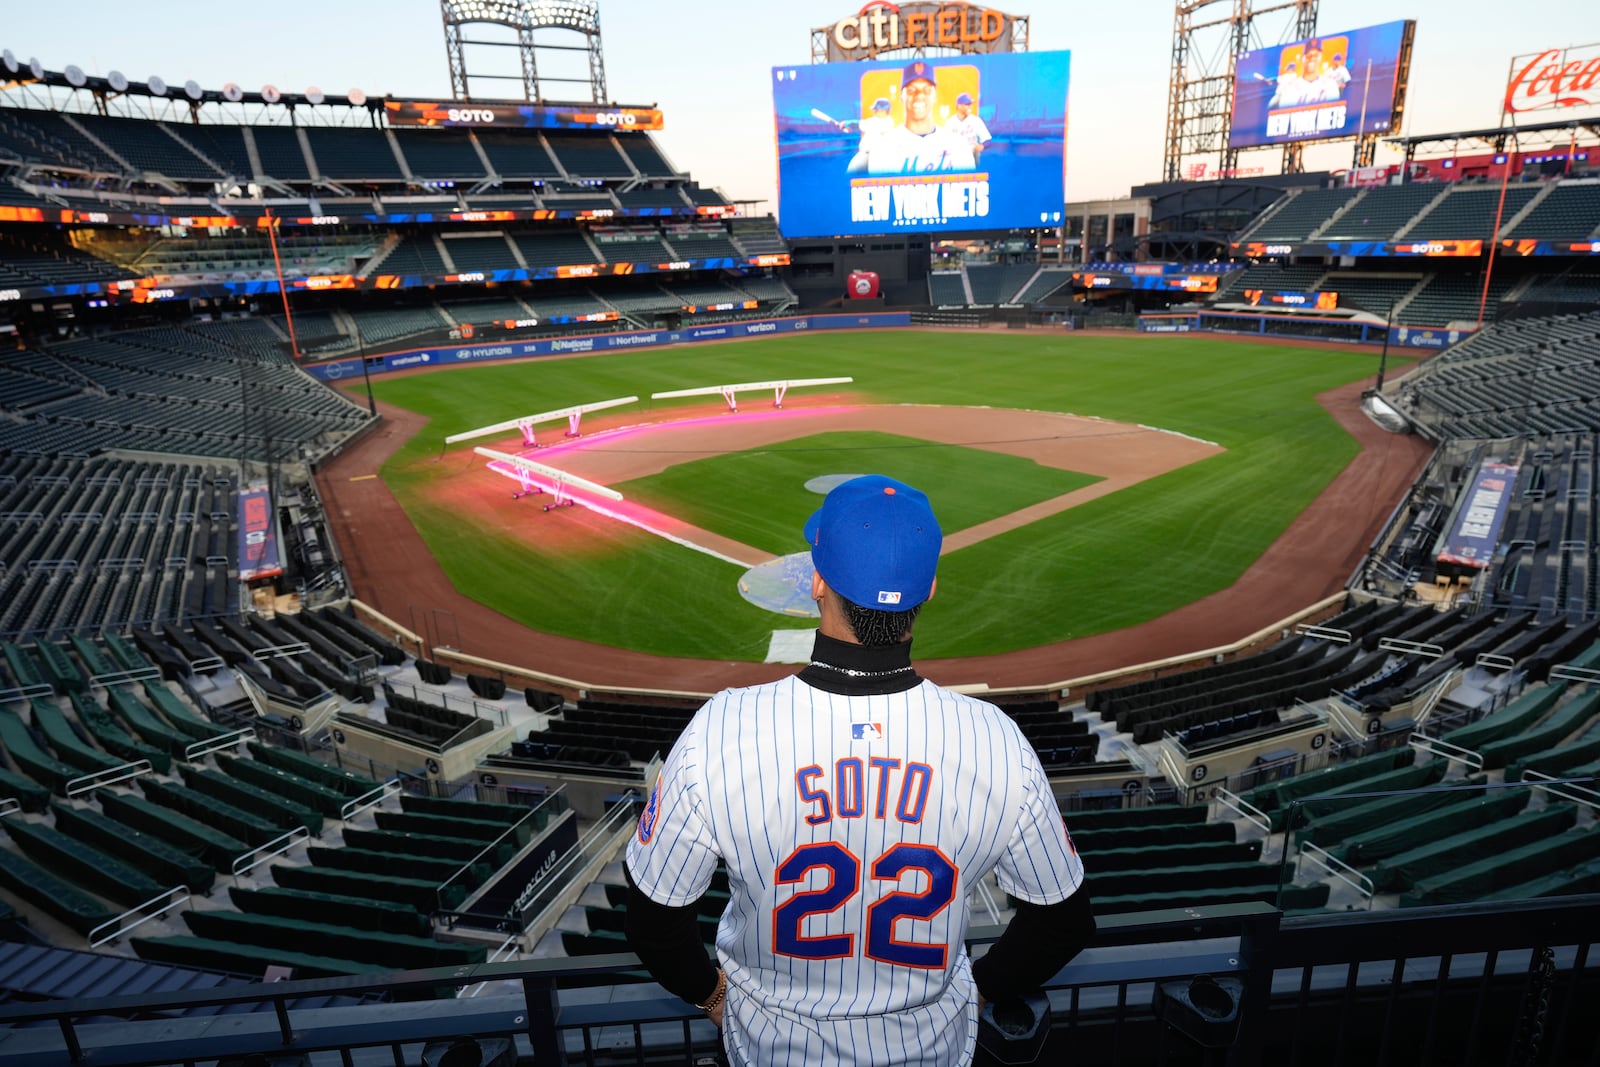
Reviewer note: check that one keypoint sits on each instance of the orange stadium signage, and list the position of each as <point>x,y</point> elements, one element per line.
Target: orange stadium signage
<point>881,26</point>
<point>1554,78</point>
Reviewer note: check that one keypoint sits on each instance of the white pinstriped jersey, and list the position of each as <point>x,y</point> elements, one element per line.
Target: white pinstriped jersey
<point>853,828</point>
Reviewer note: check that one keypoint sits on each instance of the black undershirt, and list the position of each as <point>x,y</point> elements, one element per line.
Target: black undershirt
<point>1039,941</point>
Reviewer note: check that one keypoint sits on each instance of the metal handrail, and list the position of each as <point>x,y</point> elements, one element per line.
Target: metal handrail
<point>1439,747</point>
<point>168,900</point>
<point>370,799</point>
<point>1321,857</point>
<point>269,851</point>
<point>1548,783</point>
<point>1410,648</point>
<point>466,867</point>
<point>1431,703</point>
<point>602,840</point>
<point>88,783</point>
<point>200,749</point>
<point>508,949</point>
<point>1246,810</point>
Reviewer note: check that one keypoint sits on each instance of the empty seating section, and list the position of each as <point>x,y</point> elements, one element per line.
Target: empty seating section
<point>1448,298</point>
<point>997,283</point>
<point>768,290</point>
<point>758,236</point>
<point>1300,216</point>
<point>485,252</point>
<point>415,254</point>
<point>555,248</point>
<point>483,312</point>
<point>601,734</point>
<point>1572,287</point>
<point>518,157</point>
<point>1048,281</point>
<point>146,146</point>
<point>177,390</point>
<point>635,246</point>
<point>1271,277</point>
<point>48,137</point>
<point>588,155</point>
<point>1515,378</point>
<point>703,244</point>
<point>379,327</point>
<point>1469,213</point>
<point>945,288</point>
<point>439,153</point>
<point>669,198</point>
<point>299,254</point>
<point>703,197</point>
<point>645,156</point>
<point>280,152</point>
<point>222,145</point>
<point>108,541</point>
<point>1570,211</point>
<point>1381,212</point>
<point>567,305</point>
<point>1377,293</point>
<point>353,155</point>
<point>40,259</point>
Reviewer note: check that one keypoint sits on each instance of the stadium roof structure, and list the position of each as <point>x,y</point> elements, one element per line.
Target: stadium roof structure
<point>1544,133</point>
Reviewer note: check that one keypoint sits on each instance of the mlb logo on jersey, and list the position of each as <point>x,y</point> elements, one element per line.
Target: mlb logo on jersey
<point>866,731</point>
<point>888,596</point>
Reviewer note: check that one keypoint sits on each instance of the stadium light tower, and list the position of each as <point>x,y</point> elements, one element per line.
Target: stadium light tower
<point>1200,90</point>
<point>526,19</point>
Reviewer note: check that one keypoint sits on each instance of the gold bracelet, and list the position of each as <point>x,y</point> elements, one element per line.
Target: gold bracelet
<point>717,994</point>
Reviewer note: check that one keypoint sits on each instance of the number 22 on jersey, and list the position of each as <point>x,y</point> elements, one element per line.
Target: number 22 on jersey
<point>845,881</point>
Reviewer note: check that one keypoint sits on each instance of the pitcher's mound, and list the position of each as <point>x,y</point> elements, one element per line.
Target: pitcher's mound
<point>782,585</point>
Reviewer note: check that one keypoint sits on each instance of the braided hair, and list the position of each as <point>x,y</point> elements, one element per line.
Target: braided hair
<point>878,629</point>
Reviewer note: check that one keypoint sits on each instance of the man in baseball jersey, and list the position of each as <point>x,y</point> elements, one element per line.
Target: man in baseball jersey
<point>969,126</point>
<point>920,145</point>
<point>855,805</point>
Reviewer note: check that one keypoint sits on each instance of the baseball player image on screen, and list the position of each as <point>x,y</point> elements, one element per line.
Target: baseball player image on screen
<point>919,145</point>
<point>855,805</point>
<point>969,126</point>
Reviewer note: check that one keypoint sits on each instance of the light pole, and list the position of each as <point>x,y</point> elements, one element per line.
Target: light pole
<point>361,353</point>
<point>1383,357</point>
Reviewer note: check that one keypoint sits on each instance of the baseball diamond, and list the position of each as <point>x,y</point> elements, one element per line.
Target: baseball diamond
<point>1217,526</point>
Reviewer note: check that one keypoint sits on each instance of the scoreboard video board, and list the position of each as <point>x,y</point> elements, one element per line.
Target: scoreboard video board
<point>950,144</point>
<point>1334,85</point>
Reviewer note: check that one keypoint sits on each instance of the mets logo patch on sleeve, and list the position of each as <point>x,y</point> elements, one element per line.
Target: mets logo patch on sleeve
<point>652,812</point>
<point>866,731</point>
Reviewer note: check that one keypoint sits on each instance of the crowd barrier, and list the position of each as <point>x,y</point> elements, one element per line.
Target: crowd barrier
<point>1306,326</point>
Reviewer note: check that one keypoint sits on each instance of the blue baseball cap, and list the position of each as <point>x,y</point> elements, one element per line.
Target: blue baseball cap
<point>964,98</point>
<point>914,72</point>
<point>876,543</point>
<point>881,104</point>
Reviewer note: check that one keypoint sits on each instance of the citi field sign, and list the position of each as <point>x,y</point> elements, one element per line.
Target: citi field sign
<point>881,26</point>
<point>1555,78</point>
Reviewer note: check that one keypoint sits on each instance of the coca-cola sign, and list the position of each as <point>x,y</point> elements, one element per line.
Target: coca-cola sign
<point>1554,78</point>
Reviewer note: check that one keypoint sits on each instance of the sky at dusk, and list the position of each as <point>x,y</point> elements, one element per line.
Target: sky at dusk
<point>707,65</point>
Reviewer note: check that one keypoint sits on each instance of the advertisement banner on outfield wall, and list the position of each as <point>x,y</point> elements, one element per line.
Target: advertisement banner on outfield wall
<point>345,369</point>
<point>946,144</point>
<point>1482,513</point>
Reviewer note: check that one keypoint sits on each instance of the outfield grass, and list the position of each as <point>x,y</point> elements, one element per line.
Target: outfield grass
<point>711,493</point>
<point>1104,565</point>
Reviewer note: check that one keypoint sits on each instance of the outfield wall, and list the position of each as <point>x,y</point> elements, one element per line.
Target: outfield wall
<point>1308,327</point>
<point>454,355</point>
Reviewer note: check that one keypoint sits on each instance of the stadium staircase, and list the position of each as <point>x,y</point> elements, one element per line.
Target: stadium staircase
<point>966,284</point>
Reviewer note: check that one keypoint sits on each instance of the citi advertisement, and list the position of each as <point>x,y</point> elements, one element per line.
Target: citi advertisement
<point>1337,85</point>
<point>952,144</point>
